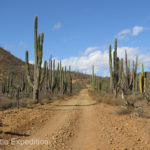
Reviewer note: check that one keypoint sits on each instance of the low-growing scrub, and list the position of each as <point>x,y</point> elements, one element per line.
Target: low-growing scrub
<point>112,101</point>
<point>123,111</point>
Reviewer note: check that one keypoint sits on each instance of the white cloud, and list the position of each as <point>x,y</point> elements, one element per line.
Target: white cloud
<point>89,50</point>
<point>131,51</point>
<point>137,29</point>
<point>31,62</point>
<point>126,31</point>
<point>100,59</point>
<point>57,26</point>
<point>124,34</point>
<point>84,63</point>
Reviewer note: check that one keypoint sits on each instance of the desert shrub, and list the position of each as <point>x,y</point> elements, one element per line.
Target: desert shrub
<point>123,111</point>
<point>78,85</point>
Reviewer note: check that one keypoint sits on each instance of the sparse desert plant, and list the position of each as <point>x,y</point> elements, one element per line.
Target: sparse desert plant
<point>123,111</point>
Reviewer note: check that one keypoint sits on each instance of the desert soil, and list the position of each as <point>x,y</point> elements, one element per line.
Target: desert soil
<point>77,123</point>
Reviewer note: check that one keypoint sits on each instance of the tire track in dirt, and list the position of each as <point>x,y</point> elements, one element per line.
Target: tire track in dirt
<point>100,128</point>
<point>59,129</point>
<point>83,124</point>
<point>87,137</point>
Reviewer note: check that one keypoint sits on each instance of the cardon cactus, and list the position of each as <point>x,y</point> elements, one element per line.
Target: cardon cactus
<point>142,81</point>
<point>38,76</point>
<point>114,69</point>
<point>69,82</point>
<point>110,67</point>
<point>93,79</point>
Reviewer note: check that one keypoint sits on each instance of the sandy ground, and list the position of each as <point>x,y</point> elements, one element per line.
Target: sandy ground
<point>79,123</point>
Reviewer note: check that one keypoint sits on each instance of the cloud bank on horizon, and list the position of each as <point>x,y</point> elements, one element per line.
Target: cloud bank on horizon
<point>100,59</point>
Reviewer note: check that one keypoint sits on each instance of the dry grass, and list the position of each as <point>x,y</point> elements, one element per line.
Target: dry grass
<point>112,101</point>
<point>137,105</point>
<point>6,103</point>
<point>131,104</point>
<point>10,63</point>
<point>106,98</point>
<point>123,111</point>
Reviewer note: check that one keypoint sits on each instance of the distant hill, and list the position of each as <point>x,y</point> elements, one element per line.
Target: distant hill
<point>10,63</point>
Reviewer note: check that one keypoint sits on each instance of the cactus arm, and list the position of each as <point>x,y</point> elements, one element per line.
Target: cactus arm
<point>43,73</point>
<point>126,63</point>
<point>136,64</point>
<point>40,50</point>
<point>140,83</point>
<point>28,70</point>
<point>142,70</point>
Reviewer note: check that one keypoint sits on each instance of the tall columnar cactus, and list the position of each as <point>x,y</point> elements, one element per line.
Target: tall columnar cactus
<point>114,70</point>
<point>118,78</point>
<point>47,82</point>
<point>99,85</point>
<point>65,81</point>
<point>142,81</point>
<point>38,76</point>
<point>50,73</point>
<point>53,76</point>
<point>7,85</point>
<point>22,83</point>
<point>93,79</point>
<point>3,86</point>
<point>136,83</point>
<point>57,78</point>
<point>60,76</point>
<point>110,67</point>
<point>142,70</point>
<point>130,75</point>
<point>93,76</point>
<point>69,81</point>
<point>145,84</point>
<point>62,80</point>
<point>10,82</point>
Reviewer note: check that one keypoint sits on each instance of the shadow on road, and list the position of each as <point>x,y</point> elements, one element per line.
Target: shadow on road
<point>17,134</point>
<point>76,105</point>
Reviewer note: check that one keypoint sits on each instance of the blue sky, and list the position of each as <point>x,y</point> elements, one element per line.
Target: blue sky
<point>78,32</point>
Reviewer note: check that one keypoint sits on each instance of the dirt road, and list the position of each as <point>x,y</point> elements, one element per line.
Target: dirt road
<point>81,123</point>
